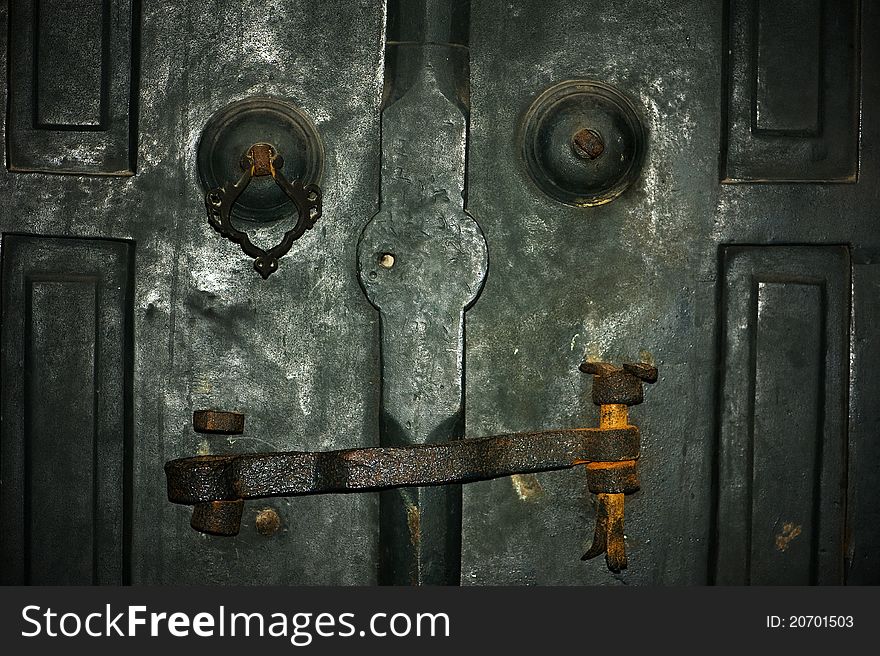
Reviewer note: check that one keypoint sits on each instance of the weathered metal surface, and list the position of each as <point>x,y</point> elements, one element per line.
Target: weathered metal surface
<point>299,353</point>
<point>636,275</point>
<point>257,475</point>
<point>422,261</point>
<point>65,428</point>
<point>208,332</point>
<point>784,332</point>
<point>73,79</point>
<point>218,421</point>
<point>791,77</point>
<point>863,513</point>
<point>262,160</point>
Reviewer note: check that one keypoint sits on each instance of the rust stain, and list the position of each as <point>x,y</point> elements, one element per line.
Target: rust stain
<point>262,159</point>
<point>613,415</point>
<point>413,520</point>
<point>623,464</point>
<point>789,532</point>
<point>527,486</point>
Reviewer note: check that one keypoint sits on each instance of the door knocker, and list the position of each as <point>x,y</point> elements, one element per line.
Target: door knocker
<point>260,160</point>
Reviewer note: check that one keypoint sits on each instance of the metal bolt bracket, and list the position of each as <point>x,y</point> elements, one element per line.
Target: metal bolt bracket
<point>218,421</point>
<point>614,390</point>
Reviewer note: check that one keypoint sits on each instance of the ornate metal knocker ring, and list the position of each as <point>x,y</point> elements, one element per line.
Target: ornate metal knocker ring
<point>262,159</point>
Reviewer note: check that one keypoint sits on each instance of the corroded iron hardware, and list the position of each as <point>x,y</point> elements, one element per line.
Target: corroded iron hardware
<point>583,142</point>
<point>261,160</point>
<point>216,485</point>
<point>218,421</point>
<point>614,390</point>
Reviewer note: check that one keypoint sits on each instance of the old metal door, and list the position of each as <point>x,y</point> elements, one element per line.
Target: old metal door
<point>737,254</point>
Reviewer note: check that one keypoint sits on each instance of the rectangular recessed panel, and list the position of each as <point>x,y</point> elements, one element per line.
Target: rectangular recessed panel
<point>783,414</point>
<point>70,62</point>
<point>788,66</point>
<point>72,78</point>
<point>791,91</point>
<point>60,430</point>
<point>786,441</point>
<point>65,387</point>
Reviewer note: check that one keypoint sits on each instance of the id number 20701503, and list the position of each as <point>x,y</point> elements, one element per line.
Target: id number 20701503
<point>810,622</point>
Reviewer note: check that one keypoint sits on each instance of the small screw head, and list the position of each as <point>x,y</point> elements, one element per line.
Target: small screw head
<point>587,144</point>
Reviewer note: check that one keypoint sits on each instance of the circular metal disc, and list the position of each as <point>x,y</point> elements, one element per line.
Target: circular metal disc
<point>553,148</point>
<point>234,129</point>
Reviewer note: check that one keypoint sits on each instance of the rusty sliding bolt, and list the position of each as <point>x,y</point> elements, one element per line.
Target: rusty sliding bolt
<point>614,390</point>
<point>217,485</point>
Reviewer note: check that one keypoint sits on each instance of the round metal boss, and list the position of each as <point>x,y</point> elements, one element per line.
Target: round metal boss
<point>234,129</point>
<point>583,143</point>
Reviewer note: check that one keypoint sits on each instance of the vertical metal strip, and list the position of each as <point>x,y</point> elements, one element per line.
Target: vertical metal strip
<point>422,262</point>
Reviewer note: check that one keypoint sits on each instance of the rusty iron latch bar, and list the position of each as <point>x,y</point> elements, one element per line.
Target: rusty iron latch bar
<point>216,485</point>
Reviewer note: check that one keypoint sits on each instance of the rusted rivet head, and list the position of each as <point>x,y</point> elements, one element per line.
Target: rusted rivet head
<point>588,144</point>
<point>268,522</point>
<point>218,421</point>
<point>264,159</point>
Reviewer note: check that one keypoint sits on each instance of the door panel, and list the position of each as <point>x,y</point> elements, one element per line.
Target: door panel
<point>785,316</point>
<point>753,300</point>
<point>73,83</point>
<point>631,279</point>
<point>66,423</point>
<point>639,276</point>
<point>299,355</point>
<point>792,91</point>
